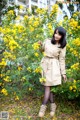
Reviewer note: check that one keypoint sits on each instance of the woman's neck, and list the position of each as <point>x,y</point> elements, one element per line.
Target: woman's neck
<point>57,43</point>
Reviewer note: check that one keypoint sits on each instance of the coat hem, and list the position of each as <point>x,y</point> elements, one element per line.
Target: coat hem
<point>51,84</point>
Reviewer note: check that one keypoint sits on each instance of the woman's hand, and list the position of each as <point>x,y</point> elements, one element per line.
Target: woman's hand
<point>40,42</point>
<point>64,77</point>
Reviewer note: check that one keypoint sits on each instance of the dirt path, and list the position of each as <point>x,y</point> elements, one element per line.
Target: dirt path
<point>28,108</point>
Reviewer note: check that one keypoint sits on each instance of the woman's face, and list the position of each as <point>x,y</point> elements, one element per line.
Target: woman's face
<point>57,36</point>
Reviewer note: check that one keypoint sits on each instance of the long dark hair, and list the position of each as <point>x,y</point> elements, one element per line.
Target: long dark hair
<point>62,32</point>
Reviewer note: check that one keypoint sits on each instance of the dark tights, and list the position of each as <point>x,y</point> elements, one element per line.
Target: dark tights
<point>48,95</point>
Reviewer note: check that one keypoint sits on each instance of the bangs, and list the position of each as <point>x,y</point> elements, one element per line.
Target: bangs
<point>61,31</point>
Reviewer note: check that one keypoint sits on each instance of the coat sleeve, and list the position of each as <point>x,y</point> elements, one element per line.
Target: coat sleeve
<point>43,44</point>
<point>62,60</point>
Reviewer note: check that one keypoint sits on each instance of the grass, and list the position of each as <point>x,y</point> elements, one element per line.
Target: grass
<point>28,108</point>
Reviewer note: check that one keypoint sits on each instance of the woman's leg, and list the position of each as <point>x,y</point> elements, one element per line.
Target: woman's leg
<point>52,97</point>
<point>46,95</point>
<point>52,104</point>
<point>45,100</point>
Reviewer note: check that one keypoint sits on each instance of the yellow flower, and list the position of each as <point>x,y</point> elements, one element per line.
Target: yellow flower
<point>51,31</point>
<point>10,12</point>
<point>71,49</point>
<point>36,54</point>
<point>36,46</point>
<point>74,90</point>
<point>75,52</point>
<point>69,71</point>
<point>37,36</point>
<point>76,42</point>
<point>73,23</point>
<point>0,84</point>
<point>31,28</point>
<point>74,15</point>
<point>4,91</point>
<point>14,93</point>
<point>25,17</point>
<point>19,68</point>
<point>1,29</point>
<point>17,119</point>
<point>30,89</point>
<point>74,87</point>
<point>11,43</point>
<point>68,46</point>
<point>70,88</point>
<point>18,17</point>
<point>31,20</point>
<point>54,9</point>
<point>24,78</point>
<point>36,23</point>
<point>49,26</point>
<point>21,7</point>
<point>42,80</point>
<point>75,66</point>
<point>3,62</point>
<point>37,70</point>
<point>74,81</point>
<point>40,11</point>
<point>7,79</point>
<point>17,98</point>
<point>29,117</point>
<point>29,69</point>
<point>60,23</point>
<point>1,75</point>
<point>78,27</point>
<point>9,55</point>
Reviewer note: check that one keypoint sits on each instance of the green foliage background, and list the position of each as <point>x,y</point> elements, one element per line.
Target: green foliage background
<point>20,55</point>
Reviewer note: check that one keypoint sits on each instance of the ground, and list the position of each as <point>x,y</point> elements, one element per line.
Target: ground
<point>28,108</point>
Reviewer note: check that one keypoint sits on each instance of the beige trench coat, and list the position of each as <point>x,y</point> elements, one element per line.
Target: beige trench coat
<point>53,63</point>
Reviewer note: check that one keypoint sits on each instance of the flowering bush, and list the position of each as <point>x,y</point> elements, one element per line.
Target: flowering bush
<point>69,90</point>
<point>20,54</point>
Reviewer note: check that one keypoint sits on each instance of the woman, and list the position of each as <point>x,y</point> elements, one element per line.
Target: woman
<point>53,66</point>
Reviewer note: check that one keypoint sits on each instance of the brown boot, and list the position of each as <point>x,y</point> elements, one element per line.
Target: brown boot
<point>42,110</point>
<point>53,108</point>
